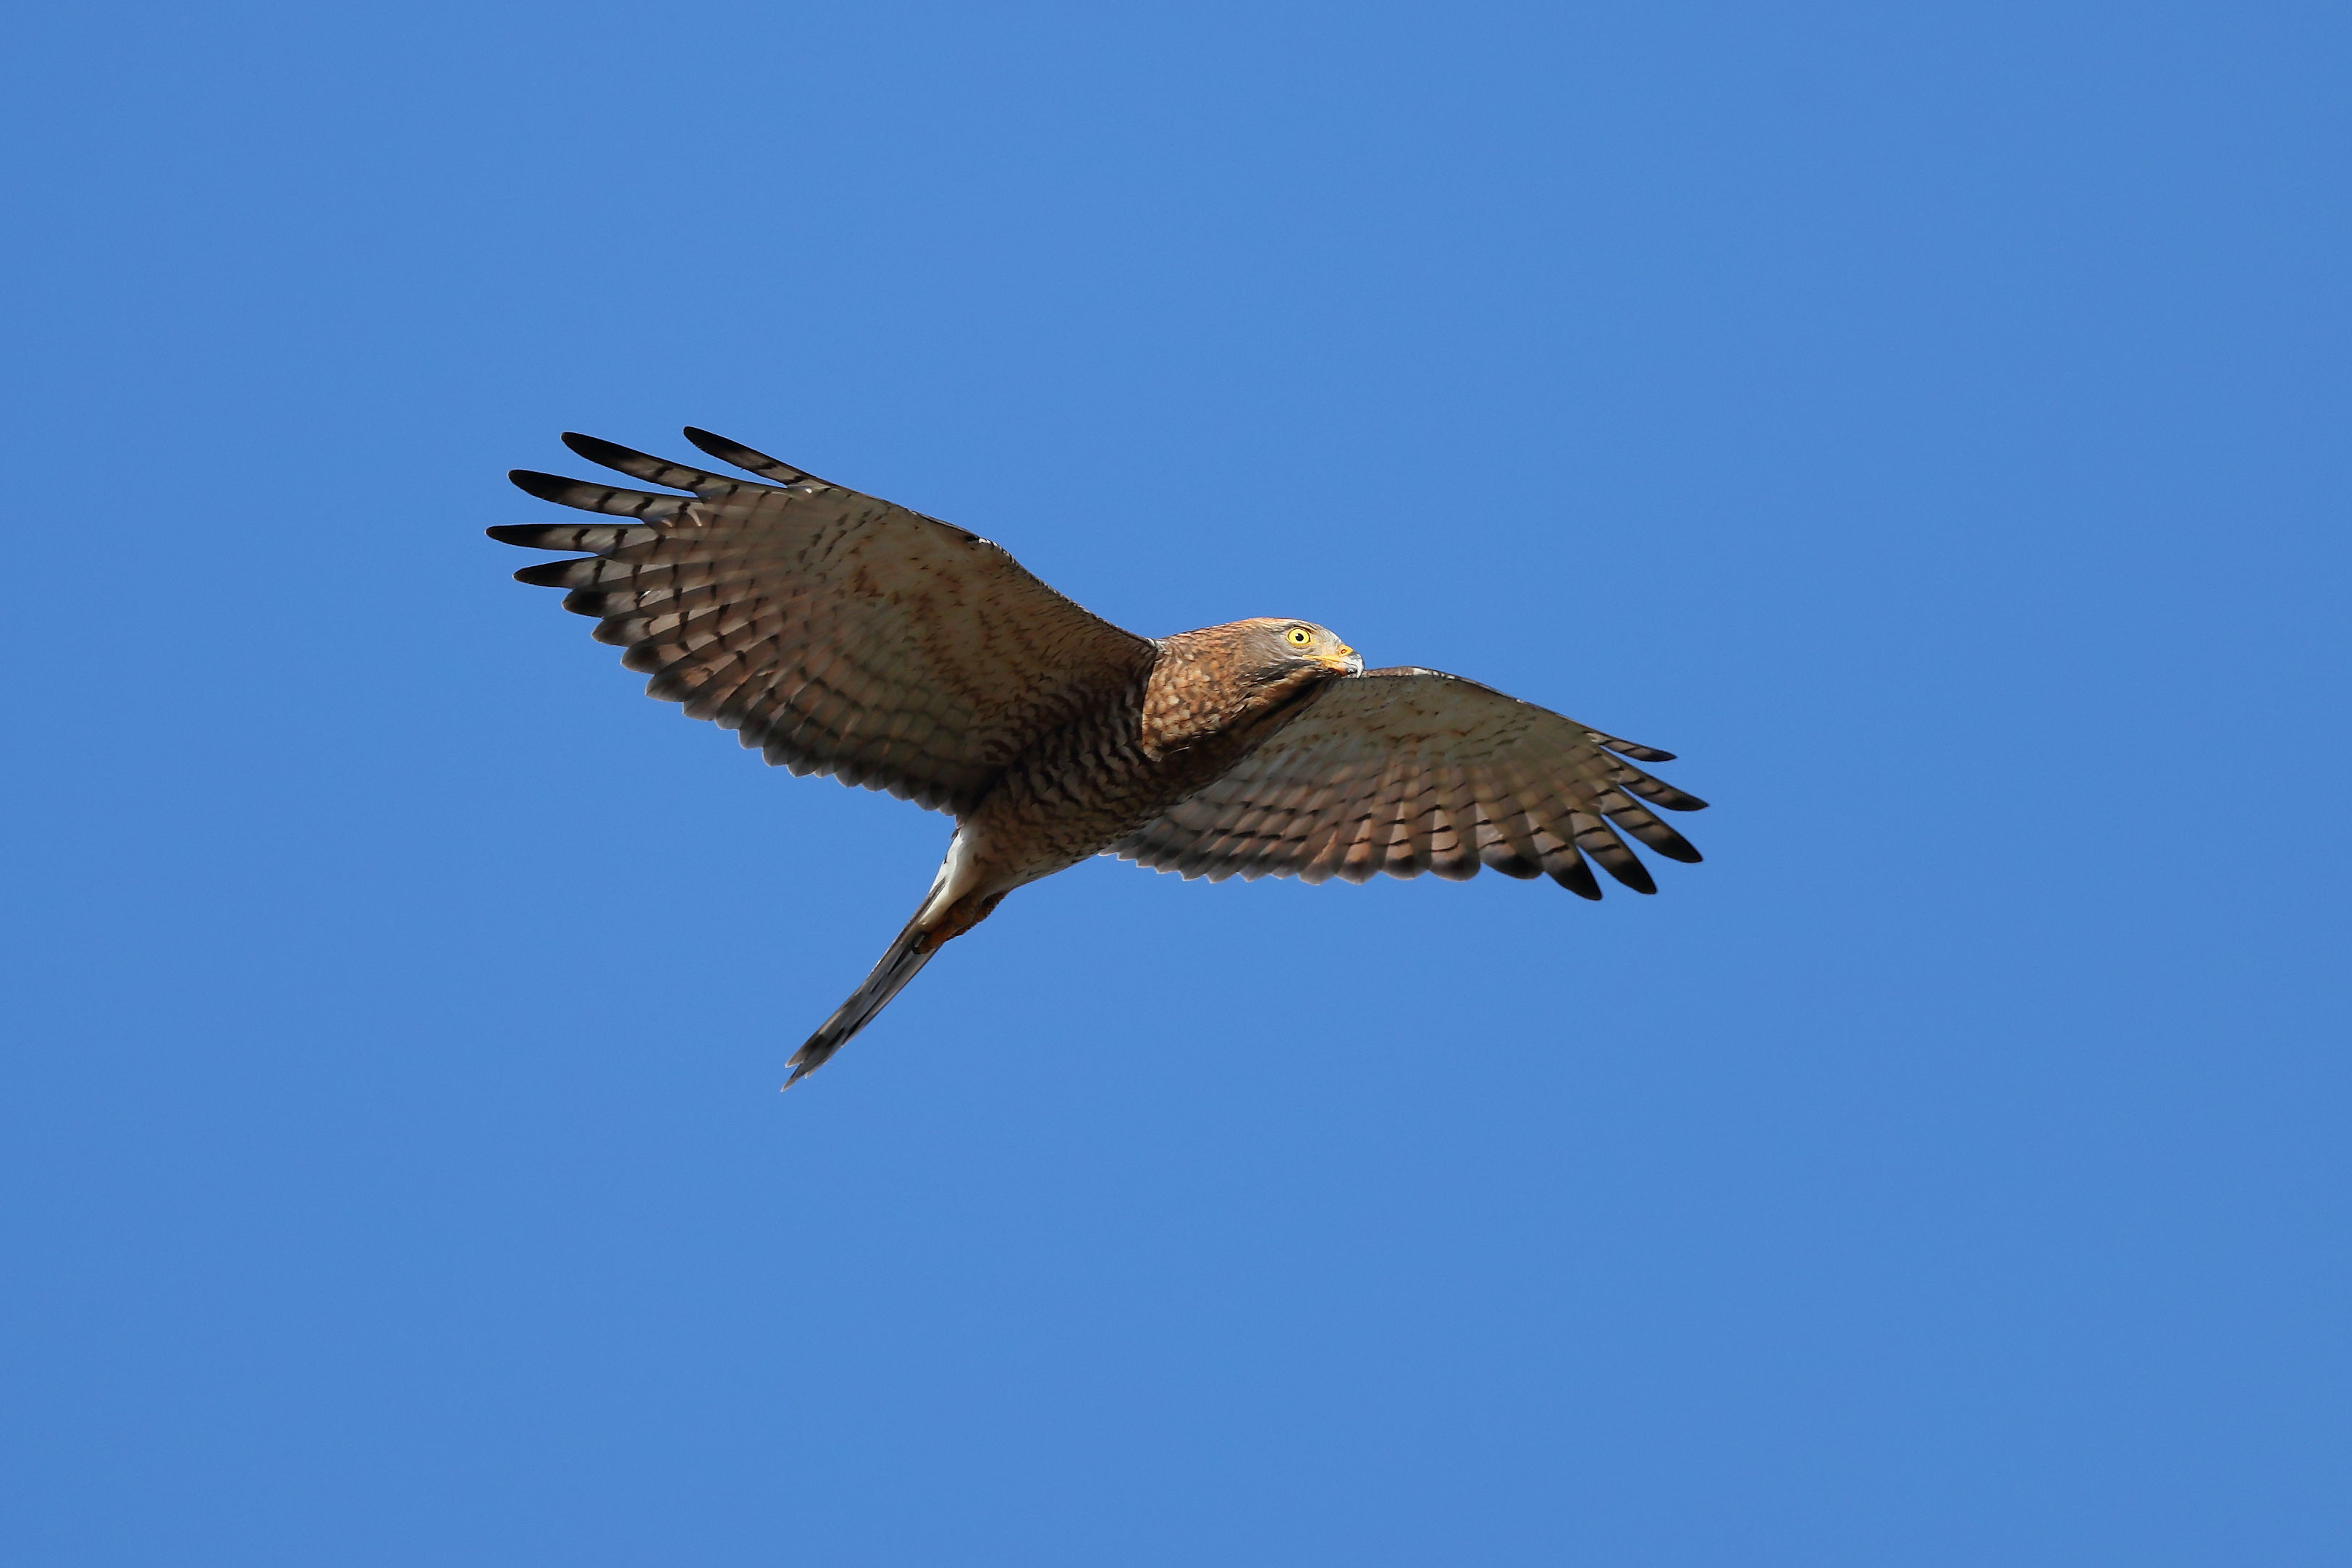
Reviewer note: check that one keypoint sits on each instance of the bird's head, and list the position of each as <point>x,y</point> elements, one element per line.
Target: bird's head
<point>1231,681</point>
<point>1283,650</point>
<point>1221,674</point>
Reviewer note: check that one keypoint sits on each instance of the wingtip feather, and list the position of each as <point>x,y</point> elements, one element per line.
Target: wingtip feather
<point>750,459</point>
<point>546,487</point>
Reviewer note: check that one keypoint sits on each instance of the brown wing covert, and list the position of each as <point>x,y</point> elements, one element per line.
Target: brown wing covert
<point>837,633</point>
<point>1404,771</point>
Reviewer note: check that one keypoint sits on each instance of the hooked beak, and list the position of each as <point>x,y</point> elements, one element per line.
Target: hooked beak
<point>1346,661</point>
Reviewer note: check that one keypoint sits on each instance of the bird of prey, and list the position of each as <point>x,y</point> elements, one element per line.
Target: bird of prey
<point>843,635</point>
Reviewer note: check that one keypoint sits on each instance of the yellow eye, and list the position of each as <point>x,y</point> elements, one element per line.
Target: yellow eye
<point>1300,636</point>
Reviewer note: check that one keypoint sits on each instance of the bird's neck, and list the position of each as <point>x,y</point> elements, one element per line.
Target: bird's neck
<point>1193,707</point>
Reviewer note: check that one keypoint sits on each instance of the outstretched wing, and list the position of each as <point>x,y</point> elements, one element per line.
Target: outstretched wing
<point>840,634</point>
<point>1406,771</point>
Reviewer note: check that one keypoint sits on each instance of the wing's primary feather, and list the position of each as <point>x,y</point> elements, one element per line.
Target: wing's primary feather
<point>837,633</point>
<point>1405,770</point>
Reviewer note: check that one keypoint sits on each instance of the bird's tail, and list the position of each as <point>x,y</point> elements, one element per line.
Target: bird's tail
<point>900,964</point>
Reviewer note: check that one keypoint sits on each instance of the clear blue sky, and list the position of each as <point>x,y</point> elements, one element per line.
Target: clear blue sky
<point>1930,421</point>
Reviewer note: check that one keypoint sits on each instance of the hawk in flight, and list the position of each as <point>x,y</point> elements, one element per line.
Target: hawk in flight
<point>843,635</point>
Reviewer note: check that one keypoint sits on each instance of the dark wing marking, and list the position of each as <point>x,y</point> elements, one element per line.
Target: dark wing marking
<point>1406,771</point>
<point>839,634</point>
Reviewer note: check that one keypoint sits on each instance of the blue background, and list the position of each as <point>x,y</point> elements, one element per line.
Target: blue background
<point>1928,420</point>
